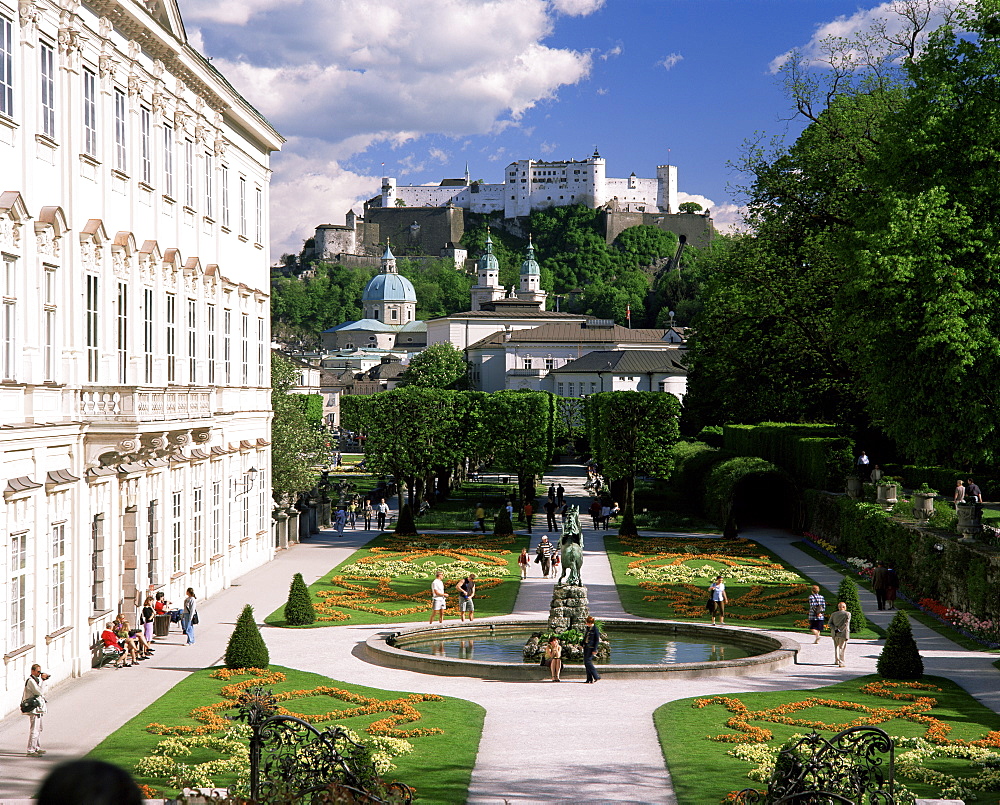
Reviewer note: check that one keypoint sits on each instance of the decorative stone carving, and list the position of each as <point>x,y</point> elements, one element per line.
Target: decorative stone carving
<point>105,27</point>
<point>119,264</point>
<point>46,243</point>
<point>221,146</point>
<point>106,66</point>
<point>180,87</point>
<point>180,119</point>
<point>28,14</point>
<point>134,49</point>
<point>201,133</point>
<point>135,85</point>
<point>159,103</point>
<point>70,43</point>
<point>158,69</point>
<point>10,233</point>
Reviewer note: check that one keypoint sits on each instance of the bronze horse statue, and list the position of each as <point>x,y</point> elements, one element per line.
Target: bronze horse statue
<point>571,546</point>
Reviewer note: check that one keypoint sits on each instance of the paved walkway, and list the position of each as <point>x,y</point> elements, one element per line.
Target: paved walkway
<point>542,742</point>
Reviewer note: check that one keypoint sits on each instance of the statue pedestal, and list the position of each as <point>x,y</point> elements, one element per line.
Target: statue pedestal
<point>569,607</point>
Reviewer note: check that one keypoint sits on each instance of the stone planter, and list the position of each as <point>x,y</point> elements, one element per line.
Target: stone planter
<point>886,495</point>
<point>854,487</point>
<point>923,506</point>
<point>967,525</point>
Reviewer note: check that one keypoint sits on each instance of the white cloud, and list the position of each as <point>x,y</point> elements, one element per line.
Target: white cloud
<point>576,8</point>
<point>614,52</point>
<point>727,217</point>
<point>603,90</point>
<point>669,61</point>
<point>547,148</point>
<point>885,16</point>
<point>338,77</point>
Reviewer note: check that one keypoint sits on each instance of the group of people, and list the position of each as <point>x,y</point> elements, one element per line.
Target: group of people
<point>603,511</point>
<point>466,589</point>
<point>348,514</point>
<point>546,555</point>
<point>969,492</point>
<point>134,644</point>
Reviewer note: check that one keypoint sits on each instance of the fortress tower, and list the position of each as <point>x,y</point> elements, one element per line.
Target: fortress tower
<point>666,188</point>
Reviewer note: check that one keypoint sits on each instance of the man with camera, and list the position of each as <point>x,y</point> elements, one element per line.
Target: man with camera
<point>33,706</point>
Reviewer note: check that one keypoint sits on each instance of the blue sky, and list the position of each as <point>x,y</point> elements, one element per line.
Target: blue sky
<point>428,85</point>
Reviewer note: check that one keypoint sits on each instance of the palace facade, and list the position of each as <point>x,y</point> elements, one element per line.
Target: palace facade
<point>135,355</point>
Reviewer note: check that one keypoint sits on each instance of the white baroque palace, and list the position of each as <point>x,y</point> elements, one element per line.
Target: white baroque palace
<point>135,360</point>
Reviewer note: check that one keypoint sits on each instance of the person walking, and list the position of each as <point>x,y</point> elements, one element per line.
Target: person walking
<point>605,514</point>
<point>594,510</point>
<point>529,513</point>
<point>550,515</point>
<point>553,655</point>
<point>352,513</point>
<point>466,592</point>
<point>523,562</point>
<point>552,492</point>
<point>368,513</point>
<point>864,470</point>
<point>959,493</point>
<point>560,495</point>
<point>880,580</point>
<point>840,630</point>
<point>817,610</point>
<point>975,496</point>
<point>146,617</point>
<point>34,694</point>
<point>717,600</point>
<point>381,512</point>
<point>340,521</point>
<point>480,517</point>
<point>439,601</point>
<point>189,618</point>
<point>544,555</point>
<point>591,640</point>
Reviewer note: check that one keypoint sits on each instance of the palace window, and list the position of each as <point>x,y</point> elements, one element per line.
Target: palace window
<point>227,346</point>
<point>57,595</point>
<point>93,328</point>
<point>147,334</point>
<point>171,338</point>
<point>18,589</point>
<point>47,76</point>
<point>49,325</point>
<point>243,207</point>
<point>176,530</point>
<point>197,526</point>
<point>260,216</point>
<point>6,71</point>
<point>145,146</point>
<point>122,333</point>
<point>189,173</point>
<point>168,160</point>
<point>224,179</point>
<point>9,323</point>
<point>245,348</point>
<point>216,518</point>
<point>192,321</point>
<point>209,183</point>
<point>211,345</point>
<point>121,135</point>
<point>89,113</point>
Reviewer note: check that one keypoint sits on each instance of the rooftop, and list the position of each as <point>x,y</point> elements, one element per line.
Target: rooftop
<point>624,361</point>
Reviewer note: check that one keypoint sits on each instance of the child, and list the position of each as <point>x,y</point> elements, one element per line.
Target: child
<point>522,561</point>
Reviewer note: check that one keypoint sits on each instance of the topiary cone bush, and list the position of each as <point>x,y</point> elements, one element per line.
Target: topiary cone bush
<point>848,593</point>
<point>299,610</point>
<point>405,524</point>
<point>627,527</point>
<point>247,648</point>
<point>900,658</point>
<point>504,527</point>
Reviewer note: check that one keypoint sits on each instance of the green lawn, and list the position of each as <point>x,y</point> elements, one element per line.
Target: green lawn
<point>456,512</point>
<point>658,507</point>
<point>439,767</point>
<point>389,580</point>
<point>773,596</point>
<point>685,733</point>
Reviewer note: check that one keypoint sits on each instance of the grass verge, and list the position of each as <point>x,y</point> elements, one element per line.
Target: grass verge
<point>439,767</point>
<point>779,604</point>
<point>389,580</point>
<point>685,732</point>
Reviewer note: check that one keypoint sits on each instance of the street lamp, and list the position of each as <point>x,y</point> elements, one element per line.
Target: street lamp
<point>247,484</point>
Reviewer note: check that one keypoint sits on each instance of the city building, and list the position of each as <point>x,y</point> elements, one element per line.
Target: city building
<point>620,370</point>
<point>134,365</point>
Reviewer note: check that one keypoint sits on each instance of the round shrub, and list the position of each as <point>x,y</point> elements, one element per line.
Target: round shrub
<point>900,658</point>
<point>848,593</point>
<point>504,527</point>
<point>247,648</point>
<point>299,609</point>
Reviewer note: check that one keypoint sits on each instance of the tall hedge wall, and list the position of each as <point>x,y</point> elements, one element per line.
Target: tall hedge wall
<point>962,575</point>
<point>815,455</point>
<point>722,480</point>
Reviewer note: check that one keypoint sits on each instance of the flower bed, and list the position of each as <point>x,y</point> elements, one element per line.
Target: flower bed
<point>948,745</point>
<point>668,577</point>
<point>187,740</point>
<point>390,580</point>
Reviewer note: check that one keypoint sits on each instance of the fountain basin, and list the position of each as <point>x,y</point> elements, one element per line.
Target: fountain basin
<point>767,652</point>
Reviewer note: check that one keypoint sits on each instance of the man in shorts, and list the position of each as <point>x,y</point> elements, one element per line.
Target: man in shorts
<point>466,592</point>
<point>439,600</point>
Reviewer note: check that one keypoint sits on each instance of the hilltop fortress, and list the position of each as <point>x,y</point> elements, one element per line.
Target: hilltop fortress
<point>431,219</point>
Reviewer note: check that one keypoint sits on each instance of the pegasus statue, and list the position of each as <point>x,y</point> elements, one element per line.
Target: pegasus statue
<point>571,546</point>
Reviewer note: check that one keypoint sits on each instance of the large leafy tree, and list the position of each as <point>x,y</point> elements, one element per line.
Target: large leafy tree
<point>440,366</point>
<point>925,284</point>
<point>631,433</point>
<point>297,445</point>
<point>521,427</point>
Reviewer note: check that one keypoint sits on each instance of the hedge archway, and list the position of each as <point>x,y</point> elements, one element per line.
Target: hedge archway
<point>749,490</point>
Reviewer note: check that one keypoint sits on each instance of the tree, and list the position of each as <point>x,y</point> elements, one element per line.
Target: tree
<point>848,593</point>
<point>521,427</point>
<point>644,245</point>
<point>440,366</point>
<point>246,648</point>
<point>299,609</point>
<point>296,445</point>
<point>690,206</point>
<point>631,433</point>
<point>503,527</point>
<point>900,658</point>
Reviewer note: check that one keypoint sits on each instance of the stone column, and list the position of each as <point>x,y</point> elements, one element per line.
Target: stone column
<point>280,528</point>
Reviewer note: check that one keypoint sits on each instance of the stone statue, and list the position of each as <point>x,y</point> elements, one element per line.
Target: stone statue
<point>571,547</point>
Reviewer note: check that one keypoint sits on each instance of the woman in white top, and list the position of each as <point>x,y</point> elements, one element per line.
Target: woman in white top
<point>717,600</point>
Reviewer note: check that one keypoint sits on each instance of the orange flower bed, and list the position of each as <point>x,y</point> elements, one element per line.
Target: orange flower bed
<point>375,598</point>
<point>401,710</point>
<point>915,710</point>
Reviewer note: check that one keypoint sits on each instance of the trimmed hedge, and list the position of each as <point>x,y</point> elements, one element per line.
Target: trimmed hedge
<point>693,461</point>
<point>963,575</point>
<point>816,455</point>
<point>722,480</point>
<point>246,648</point>
<point>900,658</point>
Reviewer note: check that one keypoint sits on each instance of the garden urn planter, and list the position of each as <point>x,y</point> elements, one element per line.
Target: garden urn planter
<point>854,487</point>
<point>923,506</point>
<point>886,495</point>
<point>967,525</point>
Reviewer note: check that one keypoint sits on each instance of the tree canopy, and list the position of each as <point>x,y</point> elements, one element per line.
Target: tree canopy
<point>440,366</point>
<point>297,445</point>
